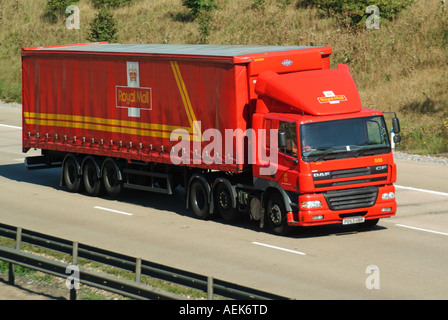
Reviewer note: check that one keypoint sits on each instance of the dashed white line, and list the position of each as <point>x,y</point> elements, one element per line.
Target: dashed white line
<point>423,190</point>
<point>114,211</point>
<point>426,191</point>
<point>278,248</point>
<point>421,229</point>
<point>9,126</point>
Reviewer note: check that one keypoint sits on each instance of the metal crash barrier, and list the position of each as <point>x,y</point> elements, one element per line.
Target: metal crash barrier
<point>132,289</point>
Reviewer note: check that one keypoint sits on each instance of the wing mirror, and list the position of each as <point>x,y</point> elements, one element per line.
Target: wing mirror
<point>281,139</point>
<point>396,125</point>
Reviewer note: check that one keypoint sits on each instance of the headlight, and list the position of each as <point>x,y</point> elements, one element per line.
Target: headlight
<point>310,204</point>
<point>388,196</point>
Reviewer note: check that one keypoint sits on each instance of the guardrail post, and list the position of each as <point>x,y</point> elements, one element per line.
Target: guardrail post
<point>19,238</point>
<point>75,253</point>
<point>11,278</point>
<point>11,274</point>
<point>138,270</point>
<point>210,288</point>
<point>74,262</point>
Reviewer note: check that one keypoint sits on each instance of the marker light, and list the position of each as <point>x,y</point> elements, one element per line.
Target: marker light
<point>388,196</point>
<point>310,204</point>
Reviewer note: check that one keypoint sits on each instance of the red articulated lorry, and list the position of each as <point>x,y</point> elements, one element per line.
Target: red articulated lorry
<point>270,131</point>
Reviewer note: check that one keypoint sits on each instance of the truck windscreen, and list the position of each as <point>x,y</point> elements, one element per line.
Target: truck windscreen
<point>345,138</point>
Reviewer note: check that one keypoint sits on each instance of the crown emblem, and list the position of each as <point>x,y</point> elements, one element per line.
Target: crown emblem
<point>133,74</point>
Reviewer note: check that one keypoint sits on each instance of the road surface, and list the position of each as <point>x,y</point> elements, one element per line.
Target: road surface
<point>404,257</point>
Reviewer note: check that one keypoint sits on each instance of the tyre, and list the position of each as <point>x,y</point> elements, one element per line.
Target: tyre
<point>199,200</point>
<point>112,184</point>
<point>72,180</point>
<point>276,215</point>
<point>224,203</point>
<point>93,184</point>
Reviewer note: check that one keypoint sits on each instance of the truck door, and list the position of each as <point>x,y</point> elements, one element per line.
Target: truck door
<point>284,170</point>
<point>286,174</point>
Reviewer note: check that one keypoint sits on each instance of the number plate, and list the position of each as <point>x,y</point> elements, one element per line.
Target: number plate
<point>353,220</point>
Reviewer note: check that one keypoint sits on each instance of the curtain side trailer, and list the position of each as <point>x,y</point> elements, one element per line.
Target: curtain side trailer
<point>270,131</point>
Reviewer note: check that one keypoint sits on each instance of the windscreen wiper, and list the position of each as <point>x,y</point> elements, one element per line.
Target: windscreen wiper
<point>329,155</point>
<point>365,152</point>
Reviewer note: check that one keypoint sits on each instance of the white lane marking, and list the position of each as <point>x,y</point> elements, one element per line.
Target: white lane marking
<point>112,210</point>
<point>421,229</point>
<point>423,190</point>
<point>9,126</point>
<point>278,248</point>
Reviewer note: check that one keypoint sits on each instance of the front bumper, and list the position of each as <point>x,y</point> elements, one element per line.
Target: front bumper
<point>324,215</point>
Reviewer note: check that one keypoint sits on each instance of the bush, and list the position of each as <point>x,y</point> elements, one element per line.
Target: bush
<point>103,27</point>
<point>198,6</point>
<point>205,26</point>
<point>200,11</point>
<point>56,9</point>
<point>110,3</point>
<point>352,13</point>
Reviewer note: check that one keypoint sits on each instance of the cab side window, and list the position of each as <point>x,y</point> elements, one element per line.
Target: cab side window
<point>290,130</point>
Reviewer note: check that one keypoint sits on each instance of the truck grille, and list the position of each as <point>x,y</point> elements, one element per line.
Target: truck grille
<point>351,176</point>
<point>351,198</point>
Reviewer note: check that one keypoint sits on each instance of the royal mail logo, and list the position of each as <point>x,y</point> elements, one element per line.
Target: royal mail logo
<point>133,97</point>
<point>331,98</point>
<point>128,97</point>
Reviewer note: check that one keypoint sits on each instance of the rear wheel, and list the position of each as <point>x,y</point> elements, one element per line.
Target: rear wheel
<point>92,182</point>
<point>111,181</point>
<point>70,176</point>
<point>276,215</point>
<point>199,200</point>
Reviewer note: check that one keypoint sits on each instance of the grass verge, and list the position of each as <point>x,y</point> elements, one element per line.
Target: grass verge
<point>55,286</point>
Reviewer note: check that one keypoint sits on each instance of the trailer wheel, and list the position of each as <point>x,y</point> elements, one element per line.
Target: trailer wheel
<point>276,215</point>
<point>92,183</point>
<point>72,179</point>
<point>223,200</point>
<point>111,180</point>
<point>199,200</point>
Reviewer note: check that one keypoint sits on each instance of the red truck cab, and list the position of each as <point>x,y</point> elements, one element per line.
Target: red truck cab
<point>335,161</point>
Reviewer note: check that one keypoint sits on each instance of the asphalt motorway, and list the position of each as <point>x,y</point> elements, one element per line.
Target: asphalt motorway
<point>404,257</point>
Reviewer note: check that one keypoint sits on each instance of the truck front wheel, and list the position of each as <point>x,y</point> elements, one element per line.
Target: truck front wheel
<point>223,201</point>
<point>199,200</point>
<point>276,215</point>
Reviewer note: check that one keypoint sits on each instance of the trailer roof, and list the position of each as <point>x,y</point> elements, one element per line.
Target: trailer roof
<point>173,49</point>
